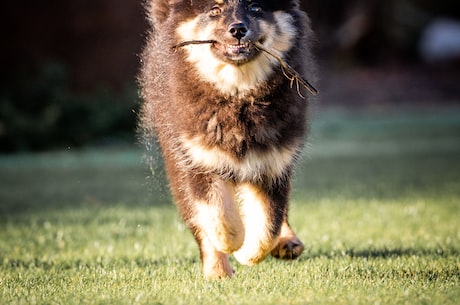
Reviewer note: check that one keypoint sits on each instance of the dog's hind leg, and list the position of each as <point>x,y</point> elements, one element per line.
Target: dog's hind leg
<point>289,246</point>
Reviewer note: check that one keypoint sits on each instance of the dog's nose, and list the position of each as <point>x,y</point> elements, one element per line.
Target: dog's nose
<point>238,30</point>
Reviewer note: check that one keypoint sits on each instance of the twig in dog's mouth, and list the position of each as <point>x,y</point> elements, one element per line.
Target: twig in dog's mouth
<point>288,71</point>
<point>189,42</point>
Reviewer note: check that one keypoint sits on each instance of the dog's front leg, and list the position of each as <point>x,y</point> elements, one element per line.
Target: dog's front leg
<point>263,209</point>
<point>216,224</point>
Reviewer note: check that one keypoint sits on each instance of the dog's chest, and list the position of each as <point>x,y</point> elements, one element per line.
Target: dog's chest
<point>244,140</point>
<point>238,127</point>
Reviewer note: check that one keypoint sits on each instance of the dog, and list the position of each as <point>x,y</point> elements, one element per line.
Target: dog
<point>220,89</point>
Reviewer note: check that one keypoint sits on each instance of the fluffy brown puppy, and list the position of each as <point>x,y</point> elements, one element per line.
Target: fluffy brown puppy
<point>220,97</point>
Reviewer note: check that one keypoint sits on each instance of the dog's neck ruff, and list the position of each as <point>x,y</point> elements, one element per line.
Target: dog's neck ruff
<point>232,79</point>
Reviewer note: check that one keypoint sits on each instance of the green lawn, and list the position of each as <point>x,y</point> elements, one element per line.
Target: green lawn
<point>376,202</point>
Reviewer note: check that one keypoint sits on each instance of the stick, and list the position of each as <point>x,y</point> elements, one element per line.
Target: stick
<point>290,73</point>
<point>186,43</point>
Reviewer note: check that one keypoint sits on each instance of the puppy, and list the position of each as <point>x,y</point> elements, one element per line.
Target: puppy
<point>220,85</point>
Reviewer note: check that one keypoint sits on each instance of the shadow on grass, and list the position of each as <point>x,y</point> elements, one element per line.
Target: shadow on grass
<point>413,271</point>
<point>98,262</point>
<point>382,253</point>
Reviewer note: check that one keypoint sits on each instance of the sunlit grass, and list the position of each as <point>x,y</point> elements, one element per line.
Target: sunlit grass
<point>378,215</point>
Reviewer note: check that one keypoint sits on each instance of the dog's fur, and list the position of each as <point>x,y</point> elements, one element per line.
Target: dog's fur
<point>229,123</point>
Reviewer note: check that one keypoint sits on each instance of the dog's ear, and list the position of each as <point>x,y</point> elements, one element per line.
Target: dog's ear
<point>158,10</point>
<point>294,4</point>
<point>282,5</point>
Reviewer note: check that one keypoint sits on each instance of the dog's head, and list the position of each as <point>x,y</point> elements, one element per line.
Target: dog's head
<point>232,30</point>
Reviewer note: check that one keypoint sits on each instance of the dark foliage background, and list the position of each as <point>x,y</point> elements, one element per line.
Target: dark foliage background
<point>68,67</point>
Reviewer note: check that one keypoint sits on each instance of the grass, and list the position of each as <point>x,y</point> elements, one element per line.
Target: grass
<point>376,202</point>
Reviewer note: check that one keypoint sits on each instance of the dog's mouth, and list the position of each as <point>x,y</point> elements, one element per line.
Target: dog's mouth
<point>233,49</point>
<point>238,54</point>
<point>235,53</point>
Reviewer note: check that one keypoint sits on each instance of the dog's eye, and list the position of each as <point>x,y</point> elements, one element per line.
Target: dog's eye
<point>255,8</point>
<point>215,11</point>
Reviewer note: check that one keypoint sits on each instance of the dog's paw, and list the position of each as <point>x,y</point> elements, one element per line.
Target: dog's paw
<point>217,266</point>
<point>288,248</point>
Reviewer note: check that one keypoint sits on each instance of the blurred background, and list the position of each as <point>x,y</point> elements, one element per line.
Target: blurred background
<point>69,67</point>
<point>376,199</point>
